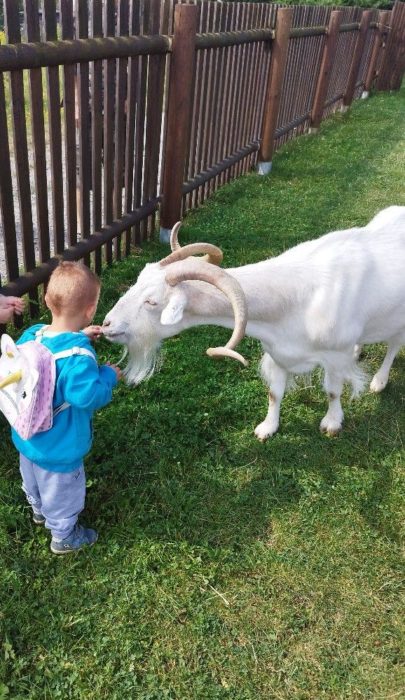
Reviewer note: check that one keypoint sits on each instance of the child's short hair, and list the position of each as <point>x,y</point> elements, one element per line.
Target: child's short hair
<point>72,286</point>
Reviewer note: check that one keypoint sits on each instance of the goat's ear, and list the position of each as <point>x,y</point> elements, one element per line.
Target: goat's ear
<point>173,311</point>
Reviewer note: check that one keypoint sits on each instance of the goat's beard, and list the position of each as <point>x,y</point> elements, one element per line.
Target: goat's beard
<point>143,361</point>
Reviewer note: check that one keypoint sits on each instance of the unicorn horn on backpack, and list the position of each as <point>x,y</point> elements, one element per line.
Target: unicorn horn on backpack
<point>11,379</point>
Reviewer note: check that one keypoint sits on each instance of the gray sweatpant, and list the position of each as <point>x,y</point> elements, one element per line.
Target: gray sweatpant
<point>59,496</point>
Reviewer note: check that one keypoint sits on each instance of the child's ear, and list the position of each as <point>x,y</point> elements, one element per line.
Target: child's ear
<point>91,309</point>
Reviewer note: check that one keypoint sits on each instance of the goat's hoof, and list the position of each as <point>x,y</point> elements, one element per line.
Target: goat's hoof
<point>264,431</point>
<point>378,384</point>
<point>330,428</point>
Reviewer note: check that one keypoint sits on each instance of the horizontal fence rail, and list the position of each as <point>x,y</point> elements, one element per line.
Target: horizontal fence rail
<point>114,112</point>
<point>54,53</point>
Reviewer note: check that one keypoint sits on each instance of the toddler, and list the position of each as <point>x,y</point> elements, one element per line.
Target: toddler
<point>51,462</point>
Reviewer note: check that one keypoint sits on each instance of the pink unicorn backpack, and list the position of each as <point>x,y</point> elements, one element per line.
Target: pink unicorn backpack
<point>27,384</point>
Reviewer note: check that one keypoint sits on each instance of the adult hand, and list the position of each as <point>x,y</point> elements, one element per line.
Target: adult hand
<point>10,306</point>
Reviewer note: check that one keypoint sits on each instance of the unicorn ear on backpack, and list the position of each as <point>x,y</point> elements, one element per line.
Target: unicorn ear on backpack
<point>10,366</point>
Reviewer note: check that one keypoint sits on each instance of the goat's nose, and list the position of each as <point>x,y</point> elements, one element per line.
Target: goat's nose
<point>106,323</point>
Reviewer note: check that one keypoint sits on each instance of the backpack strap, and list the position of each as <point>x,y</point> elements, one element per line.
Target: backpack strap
<point>64,353</point>
<point>73,351</point>
<point>39,334</point>
<point>60,356</point>
<point>60,408</point>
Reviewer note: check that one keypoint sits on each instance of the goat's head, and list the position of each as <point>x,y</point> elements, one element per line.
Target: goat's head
<point>153,308</point>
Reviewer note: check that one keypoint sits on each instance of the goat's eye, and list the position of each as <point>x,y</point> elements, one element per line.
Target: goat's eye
<point>150,302</point>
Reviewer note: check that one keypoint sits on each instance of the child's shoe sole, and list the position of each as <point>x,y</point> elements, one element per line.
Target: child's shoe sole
<point>62,552</point>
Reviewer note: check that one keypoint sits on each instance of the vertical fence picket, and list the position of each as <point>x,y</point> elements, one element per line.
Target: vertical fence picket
<point>97,128</point>
<point>248,86</point>
<point>140,124</point>
<point>69,121</point>
<point>108,137</point>
<point>146,16</point>
<point>218,112</point>
<point>154,101</point>
<point>38,133</point>
<point>119,134</point>
<point>82,32</point>
<point>6,192</point>
<point>214,96</point>
<point>194,127</point>
<point>133,75</point>
<point>231,89</point>
<point>247,92</point>
<point>21,146</point>
<point>239,94</point>
<point>206,105</point>
<point>225,89</point>
<point>55,133</point>
<point>201,66</point>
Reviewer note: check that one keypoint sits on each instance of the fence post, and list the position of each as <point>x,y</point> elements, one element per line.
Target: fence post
<point>371,71</point>
<point>178,115</point>
<point>275,82</point>
<point>328,55</point>
<point>393,63</point>
<point>356,60</point>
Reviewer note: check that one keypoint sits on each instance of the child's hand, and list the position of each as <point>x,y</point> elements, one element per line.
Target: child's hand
<point>92,332</point>
<point>116,370</point>
<point>10,306</point>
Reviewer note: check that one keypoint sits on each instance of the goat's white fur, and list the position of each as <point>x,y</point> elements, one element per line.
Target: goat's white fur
<point>314,305</point>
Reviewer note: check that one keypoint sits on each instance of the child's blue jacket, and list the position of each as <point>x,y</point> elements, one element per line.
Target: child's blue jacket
<point>83,384</point>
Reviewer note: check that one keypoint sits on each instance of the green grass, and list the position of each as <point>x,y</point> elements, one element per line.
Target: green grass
<point>228,569</point>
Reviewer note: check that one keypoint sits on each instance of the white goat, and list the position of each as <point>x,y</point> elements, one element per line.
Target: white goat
<point>314,305</point>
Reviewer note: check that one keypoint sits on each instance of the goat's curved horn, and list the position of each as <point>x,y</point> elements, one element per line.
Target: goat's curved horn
<point>194,269</point>
<point>174,241</point>
<point>212,255</point>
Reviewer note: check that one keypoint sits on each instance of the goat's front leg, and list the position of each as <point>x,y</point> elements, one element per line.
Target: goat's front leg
<point>332,422</point>
<point>276,378</point>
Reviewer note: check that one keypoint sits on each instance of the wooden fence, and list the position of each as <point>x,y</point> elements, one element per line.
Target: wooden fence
<point>114,111</point>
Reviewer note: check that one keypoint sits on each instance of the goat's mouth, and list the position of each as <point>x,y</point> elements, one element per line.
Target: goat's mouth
<point>115,336</point>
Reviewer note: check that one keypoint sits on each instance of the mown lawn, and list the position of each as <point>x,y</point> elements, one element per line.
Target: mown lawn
<point>226,568</point>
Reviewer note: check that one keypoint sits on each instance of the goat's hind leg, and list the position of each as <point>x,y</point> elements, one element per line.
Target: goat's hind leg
<point>331,423</point>
<point>276,378</point>
<point>380,379</point>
